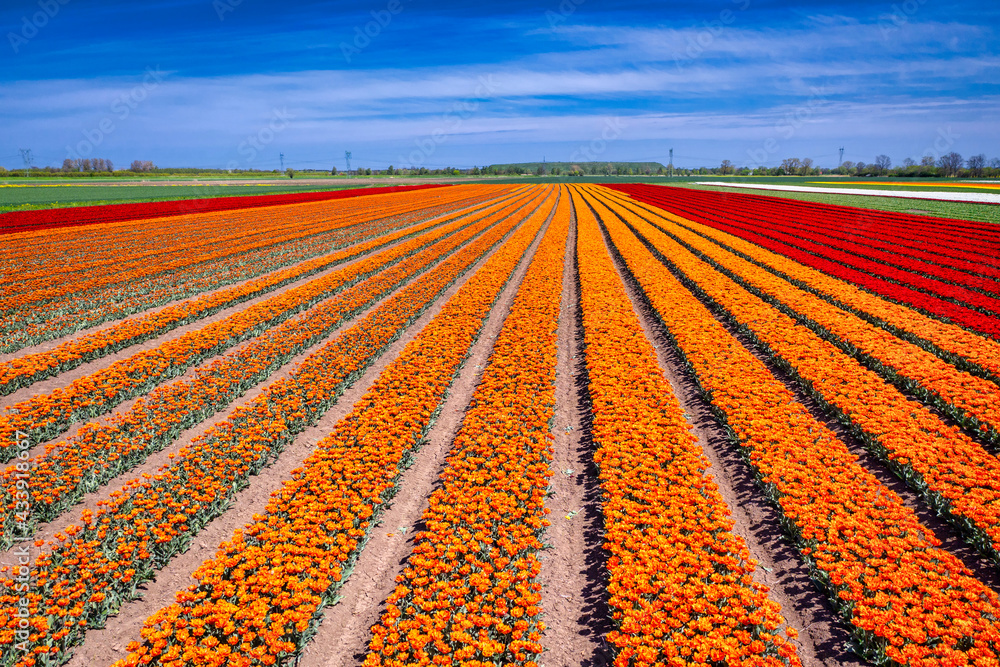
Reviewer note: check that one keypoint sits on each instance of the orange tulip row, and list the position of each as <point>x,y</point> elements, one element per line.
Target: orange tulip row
<point>681,583</point>
<point>972,401</point>
<point>258,598</point>
<point>25,370</point>
<point>100,452</point>
<point>906,600</point>
<point>955,474</point>
<point>45,416</point>
<point>469,593</point>
<point>968,350</point>
<point>80,582</point>
<point>76,311</point>
<point>184,247</point>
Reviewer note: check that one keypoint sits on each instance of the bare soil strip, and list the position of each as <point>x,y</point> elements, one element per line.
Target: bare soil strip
<point>822,636</point>
<point>103,647</point>
<point>346,628</point>
<point>573,576</point>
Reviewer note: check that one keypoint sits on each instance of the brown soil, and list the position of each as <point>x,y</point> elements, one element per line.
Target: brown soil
<point>103,647</point>
<point>573,567</point>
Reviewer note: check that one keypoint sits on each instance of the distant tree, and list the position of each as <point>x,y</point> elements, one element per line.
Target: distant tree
<point>908,162</point>
<point>790,165</point>
<point>3,171</point>
<point>882,164</point>
<point>391,170</point>
<point>860,168</point>
<point>556,171</point>
<point>951,163</point>
<point>290,172</point>
<point>333,171</point>
<point>540,171</point>
<point>976,165</point>
<point>69,165</point>
<point>995,163</point>
<point>140,166</point>
<point>927,161</point>
<point>806,166</point>
<point>726,167</point>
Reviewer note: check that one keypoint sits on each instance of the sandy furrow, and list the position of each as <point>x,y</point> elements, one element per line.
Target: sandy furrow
<point>573,575</point>
<point>345,631</point>
<point>822,637</point>
<point>103,647</point>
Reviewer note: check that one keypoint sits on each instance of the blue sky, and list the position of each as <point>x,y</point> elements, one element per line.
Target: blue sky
<point>219,83</point>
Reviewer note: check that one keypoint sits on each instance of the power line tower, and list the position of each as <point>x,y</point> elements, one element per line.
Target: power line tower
<point>841,156</point>
<point>671,165</point>
<point>281,156</point>
<point>26,156</point>
<point>347,158</point>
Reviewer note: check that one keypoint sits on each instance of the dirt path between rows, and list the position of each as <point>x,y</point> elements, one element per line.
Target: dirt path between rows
<point>822,637</point>
<point>103,647</point>
<point>344,634</point>
<point>574,571</point>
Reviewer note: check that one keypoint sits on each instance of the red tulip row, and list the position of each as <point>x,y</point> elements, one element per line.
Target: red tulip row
<point>80,582</point>
<point>22,221</point>
<point>469,593</point>
<point>25,370</point>
<point>963,239</point>
<point>257,599</point>
<point>907,601</point>
<point>128,294</point>
<point>99,453</point>
<point>681,583</point>
<point>971,400</point>
<point>901,291</point>
<point>964,349</point>
<point>910,272</point>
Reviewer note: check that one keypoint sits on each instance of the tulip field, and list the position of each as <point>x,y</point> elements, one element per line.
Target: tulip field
<point>536,425</point>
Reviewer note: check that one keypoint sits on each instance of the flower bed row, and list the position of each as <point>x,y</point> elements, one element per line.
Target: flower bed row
<point>77,584</point>
<point>681,583</point>
<point>28,369</point>
<point>898,291</point>
<point>972,401</point>
<point>22,221</point>
<point>278,573</point>
<point>959,238</point>
<point>469,592</point>
<point>905,599</point>
<point>126,295</point>
<point>966,350</point>
<point>187,243</point>
<point>957,477</point>
<point>99,453</point>
<point>45,416</point>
